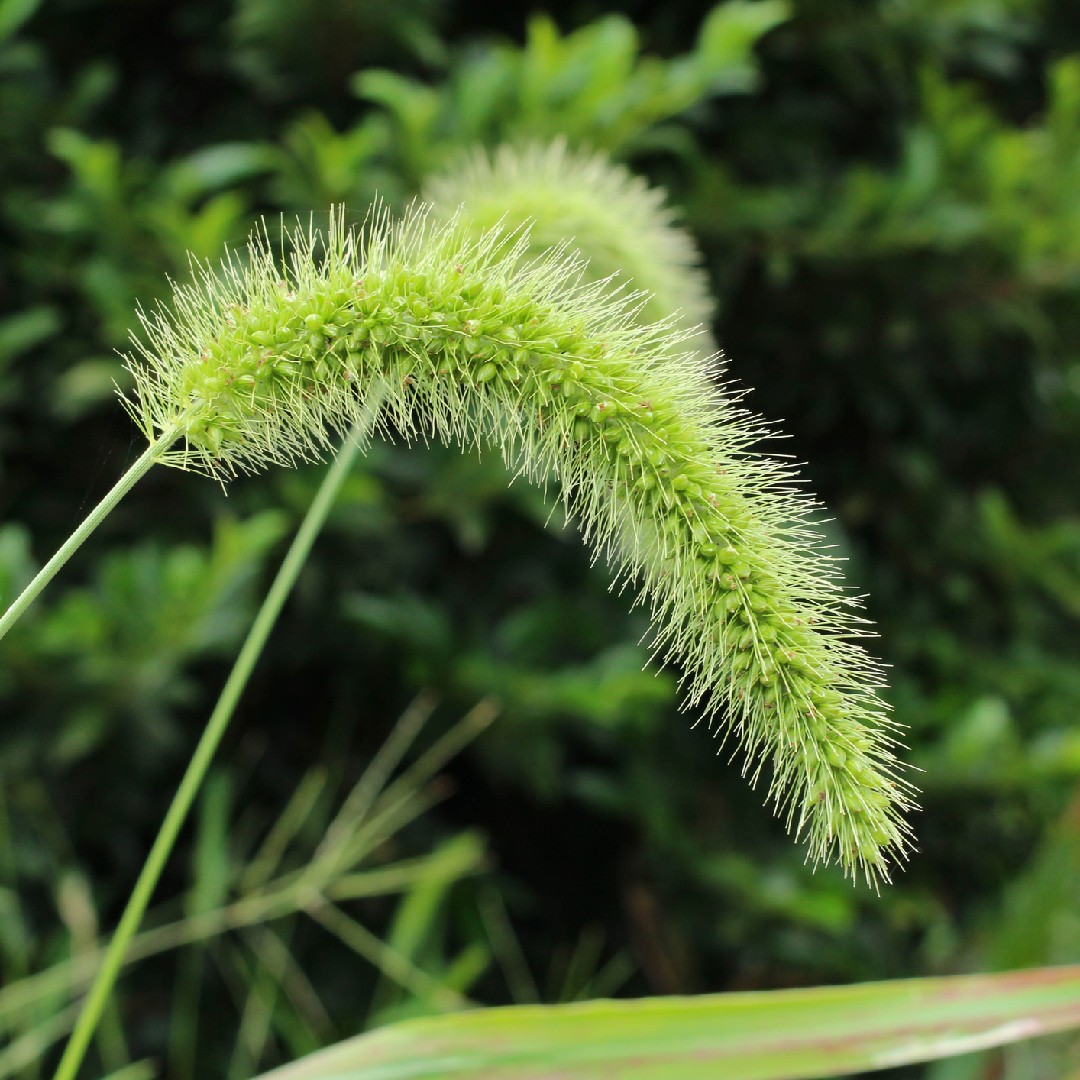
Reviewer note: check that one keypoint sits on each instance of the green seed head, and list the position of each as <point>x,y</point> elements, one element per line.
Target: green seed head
<point>471,342</point>
<point>582,202</point>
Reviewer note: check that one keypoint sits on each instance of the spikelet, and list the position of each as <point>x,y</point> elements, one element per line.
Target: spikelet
<point>600,210</point>
<point>472,343</point>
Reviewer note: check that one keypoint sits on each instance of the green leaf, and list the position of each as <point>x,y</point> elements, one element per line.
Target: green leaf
<point>222,165</point>
<point>777,1035</point>
<point>727,39</point>
<point>13,13</point>
<point>27,330</point>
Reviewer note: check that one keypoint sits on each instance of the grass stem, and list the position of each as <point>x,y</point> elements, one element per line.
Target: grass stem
<point>200,760</point>
<point>92,520</point>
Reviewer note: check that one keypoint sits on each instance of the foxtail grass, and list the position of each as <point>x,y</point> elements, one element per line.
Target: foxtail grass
<point>479,343</point>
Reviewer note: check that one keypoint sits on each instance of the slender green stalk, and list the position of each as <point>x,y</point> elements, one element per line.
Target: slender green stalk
<point>153,453</point>
<point>204,751</point>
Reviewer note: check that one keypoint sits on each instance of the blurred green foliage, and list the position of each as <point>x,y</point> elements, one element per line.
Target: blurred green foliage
<point>886,194</point>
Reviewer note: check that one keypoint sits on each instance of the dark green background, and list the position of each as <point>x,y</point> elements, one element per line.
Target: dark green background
<point>888,196</point>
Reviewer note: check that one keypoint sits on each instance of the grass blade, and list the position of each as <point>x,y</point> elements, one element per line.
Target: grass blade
<point>777,1035</point>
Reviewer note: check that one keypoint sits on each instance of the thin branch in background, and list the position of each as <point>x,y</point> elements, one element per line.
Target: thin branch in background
<point>506,947</point>
<point>391,963</point>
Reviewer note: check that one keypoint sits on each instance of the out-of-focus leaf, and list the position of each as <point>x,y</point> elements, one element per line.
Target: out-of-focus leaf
<point>727,38</point>
<point>779,1035</point>
<point>215,167</point>
<point>22,332</point>
<point>13,13</point>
